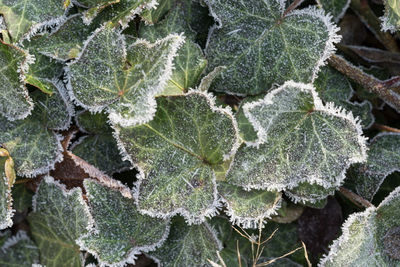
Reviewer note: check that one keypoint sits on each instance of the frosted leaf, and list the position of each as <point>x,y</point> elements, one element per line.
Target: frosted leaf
<point>99,147</point>
<point>125,81</point>
<point>177,153</point>
<point>391,19</point>
<point>7,178</point>
<point>188,245</point>
<point>367,236</point>
<point>336,8</point>
<point>332,86</point>
<point>120,231</point>
<point>307,193</point>
<point>94,7</point>
<point>246,129</point>
<point>19,250</point>
<point>25,17</point>
<point>59,217</point>
<point>247,208</point>
<point>383,159</point>
<point>262,46</point>
<point>299,140</point>
<point>15,102</point>
<point>190,61</point>
<point>22,197</point>
<point>153,15</point>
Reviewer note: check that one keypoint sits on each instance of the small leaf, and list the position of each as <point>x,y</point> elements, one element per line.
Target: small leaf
<point>369,238</point>
<point>19,250</point>
<point>261,45</point>
<point>15,102</point>
<point>299,140</point>
<point>59,217</point>
<point>391,19</point>
<point>94,7</point>
<point>336,8</point>
<point>121,232</point>
<point>151,16</point>
<point>309,193</point>
<point>247,208</point>
<point>188,245</point>
<point>125,81</point>
<point>246,129</point>
<point>177,152</point>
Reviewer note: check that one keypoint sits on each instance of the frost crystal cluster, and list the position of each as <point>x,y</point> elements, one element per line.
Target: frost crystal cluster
<point>152,127</point>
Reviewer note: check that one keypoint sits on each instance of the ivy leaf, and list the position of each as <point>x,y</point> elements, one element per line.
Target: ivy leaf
<point>59,218</point>
<point>309,194</point>
<point>15,102</point>
<point>190,61</point>
<point>7,178</point>
<point>94,7</point>
<point>246,129</point>
<point>369,237</point>
<point>24,17</point>
<point>177,152</point>
<point>151,16</point>
<point>188,245</point>
<point>260,44</point>
<point>332,86</point>
<point>107,74</point>
<point>383,159</point>
<point>337,8</point>
<point>121,232</point>
<point>22,197</point>
<point>391,19</point>
<point>299,140</point>
<point>19,250</point>
<point>247,208</point>
<point>99,147</point>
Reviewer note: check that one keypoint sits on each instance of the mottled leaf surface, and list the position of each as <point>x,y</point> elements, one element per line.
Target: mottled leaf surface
<point>247,208</point>
<point>391,19</point>
<point>177,152</point>
<point>370,238</point>
<point>188,245</point>
<point>59,217</point>
<point>15,102</point>
<point>262,46</point>
<point>336,8</point>
<point>121,232</point>
<point>19,250</point>
<point>107,74</point>
<point>299,140</point>
<point>190,61</point>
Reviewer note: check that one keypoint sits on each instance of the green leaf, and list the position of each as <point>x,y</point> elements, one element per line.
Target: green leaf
<point>25,17</point>
<point>248,208</point>
<point>391,19</point>
<point>262,46</point>
<point>120,231</point>
<point>383,159</point>
<point>19,250</point>
<point>336,8</point>
<point>299,140</point>
<point>125,81</point>
<point>6,211</point>
<point>307,193</point>
<point>15,102</point>
<point>188,245</point>
<point>94,7</point>
<point>369,238</point>
<point>99,147</point>
<point>152,16</point>
<point>246,129</point>
<point>177,152</point>
<point>190,61</point>
<point>332,86</point>
<point>22,197</point>
<point>59,218</point>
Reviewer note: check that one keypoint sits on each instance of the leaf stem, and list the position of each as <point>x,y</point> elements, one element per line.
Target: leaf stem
<point>372,22</point>
<point>385,128</point>
<point>356,199</point>
<point>386,90</point>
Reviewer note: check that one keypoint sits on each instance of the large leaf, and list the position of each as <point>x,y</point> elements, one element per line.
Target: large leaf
<point>332,86</point>
<point>121,232</point>
<point>19,250</point>
<point>391,19</point>
<point>383,159</point>
<point>299,140</point>
<point>248,208</point>
<point>24,17</point>
<point>188,245</point>
<point>336,8</point>
<point>59,218</point>
<point>7,178</point>
<point>190,61</point>
<point>107,74</point>
<point>99,147</point>
<point>15,102</point>
<point>177,153</point>
<point>261,45</point>
<point>370,238</point>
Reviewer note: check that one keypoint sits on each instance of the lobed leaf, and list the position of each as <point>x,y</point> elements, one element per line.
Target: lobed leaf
<point>261,44</point>
<point>120,231</point>
<point>337,8</point>
<point>391,18</point>
<point>299,140</point>
<point>19,250</point>
<point>177,153</point>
